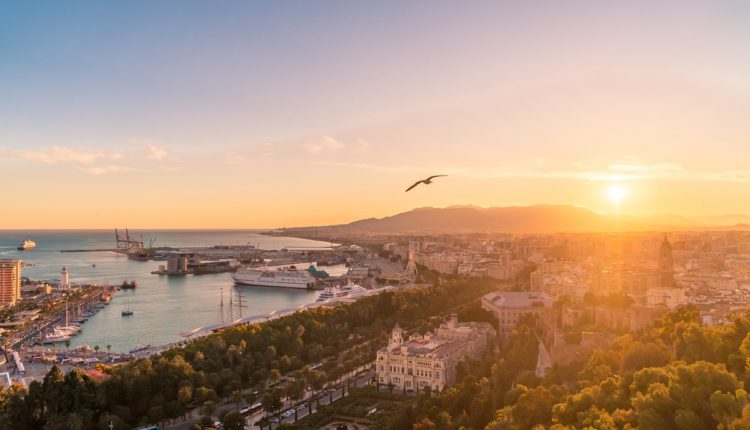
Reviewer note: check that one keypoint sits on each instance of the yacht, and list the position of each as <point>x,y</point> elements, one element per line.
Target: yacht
<point>348,291</point>
<point>57,335</point>
<point>26,245</point>
<point>288,277</point>
<point>139,348</point>
<point>68,329</point>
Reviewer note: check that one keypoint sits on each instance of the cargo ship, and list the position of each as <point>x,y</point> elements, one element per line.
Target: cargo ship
<point>288,277</point>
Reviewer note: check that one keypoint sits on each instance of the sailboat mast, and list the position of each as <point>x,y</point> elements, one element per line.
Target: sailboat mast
<point>221,306</point>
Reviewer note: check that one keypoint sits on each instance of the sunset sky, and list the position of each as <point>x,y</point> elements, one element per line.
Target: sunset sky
<point>268,114</point>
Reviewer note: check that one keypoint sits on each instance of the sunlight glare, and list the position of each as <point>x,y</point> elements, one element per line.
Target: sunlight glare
<point>617,194</point>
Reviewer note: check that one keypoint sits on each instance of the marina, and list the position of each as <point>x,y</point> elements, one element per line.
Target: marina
<point>162,306</point>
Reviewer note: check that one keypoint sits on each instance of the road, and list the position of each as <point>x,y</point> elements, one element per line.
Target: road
<point>326,398</point>
<point>362,378</point>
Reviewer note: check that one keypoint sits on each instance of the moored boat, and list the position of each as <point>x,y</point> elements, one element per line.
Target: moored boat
<point>288,277</point>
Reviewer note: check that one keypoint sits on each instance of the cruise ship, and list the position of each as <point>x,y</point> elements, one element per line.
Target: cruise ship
<point>288,277</point>
<point>348,291</point>
<point>26,245</point>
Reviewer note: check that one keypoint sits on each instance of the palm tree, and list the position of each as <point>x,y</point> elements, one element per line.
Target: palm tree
<point>237,398</point>
<point>96,348</point>
<point>67,344</point>
<point>109,349</point>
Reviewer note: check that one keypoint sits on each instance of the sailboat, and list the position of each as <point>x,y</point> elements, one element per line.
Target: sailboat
<point>127,312</point>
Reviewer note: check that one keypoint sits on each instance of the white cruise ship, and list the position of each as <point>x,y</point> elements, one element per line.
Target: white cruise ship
<point>348,291</point>
<point>288,277</point>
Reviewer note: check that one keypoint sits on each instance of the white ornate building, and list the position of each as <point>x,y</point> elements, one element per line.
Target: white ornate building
<point>430,360</point>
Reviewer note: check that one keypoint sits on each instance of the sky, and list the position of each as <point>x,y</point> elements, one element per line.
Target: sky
<point>237,114</point>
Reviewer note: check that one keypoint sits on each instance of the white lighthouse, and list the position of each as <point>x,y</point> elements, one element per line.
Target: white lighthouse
<point>64,279</point>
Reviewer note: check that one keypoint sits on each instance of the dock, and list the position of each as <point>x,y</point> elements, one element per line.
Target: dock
<point>90,250</point>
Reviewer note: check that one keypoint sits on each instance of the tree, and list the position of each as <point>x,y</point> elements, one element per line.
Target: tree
<point>96,348</point>
<point>209,408</point>
<point>233,421</point>
<point>67,344</point>
<point>185,394</point>
<point>109,349</point>
<point>425,424</point>
<point>237,398</point>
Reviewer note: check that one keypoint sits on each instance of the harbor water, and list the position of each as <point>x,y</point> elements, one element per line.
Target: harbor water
<point>163,307</point>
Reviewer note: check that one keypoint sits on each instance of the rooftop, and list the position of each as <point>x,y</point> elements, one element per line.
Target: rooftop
<point>519,299</point>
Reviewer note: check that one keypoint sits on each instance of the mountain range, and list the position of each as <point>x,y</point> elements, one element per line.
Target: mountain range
<point>530,219</point>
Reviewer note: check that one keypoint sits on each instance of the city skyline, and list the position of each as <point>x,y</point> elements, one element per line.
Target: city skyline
<point>267,115</point>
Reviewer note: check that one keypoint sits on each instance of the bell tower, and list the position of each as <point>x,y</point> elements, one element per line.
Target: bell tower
<point>396,337</point>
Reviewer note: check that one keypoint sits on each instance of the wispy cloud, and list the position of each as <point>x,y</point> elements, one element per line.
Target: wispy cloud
<point>97,161</point>
<point>155,152</point>
<point>615,172</point>
<point>100,170</point>
<point>248,154</point>
<point>323,144</point>
<point>64,154</point>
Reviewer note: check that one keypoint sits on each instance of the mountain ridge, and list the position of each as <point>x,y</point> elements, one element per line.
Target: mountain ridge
<point>541,218</point>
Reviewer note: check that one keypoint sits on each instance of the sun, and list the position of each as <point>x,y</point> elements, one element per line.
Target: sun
<point>617,193</point>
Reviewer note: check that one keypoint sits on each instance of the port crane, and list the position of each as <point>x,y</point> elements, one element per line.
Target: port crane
<point>125,244</point>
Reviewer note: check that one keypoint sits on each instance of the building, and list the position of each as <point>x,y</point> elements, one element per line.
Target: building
<point>509,307</point>
<point>64,279</point>
<point>666,264</point>
<point>665,296</point>
<point>430,360</point>
<point>10,282</point>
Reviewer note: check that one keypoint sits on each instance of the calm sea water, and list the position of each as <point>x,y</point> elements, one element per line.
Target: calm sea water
<point>163,306</point>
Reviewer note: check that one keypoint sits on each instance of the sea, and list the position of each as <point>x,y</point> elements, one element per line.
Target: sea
<point>163,307</point>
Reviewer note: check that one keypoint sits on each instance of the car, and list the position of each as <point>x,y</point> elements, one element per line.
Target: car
<point>301,407</point>
<point>288,413</point>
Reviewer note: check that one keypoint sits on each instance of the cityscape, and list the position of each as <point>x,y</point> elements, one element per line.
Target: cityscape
<point>374,215</point>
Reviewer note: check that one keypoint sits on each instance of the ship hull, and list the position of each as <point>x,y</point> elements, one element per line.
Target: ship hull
<point>255,283</point>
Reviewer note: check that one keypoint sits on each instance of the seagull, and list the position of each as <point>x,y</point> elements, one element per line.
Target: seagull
<point>427,181</point>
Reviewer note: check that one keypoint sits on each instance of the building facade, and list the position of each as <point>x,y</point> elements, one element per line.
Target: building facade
<point>10,282</point>
<point>509,307</point>
<point>430,360</point>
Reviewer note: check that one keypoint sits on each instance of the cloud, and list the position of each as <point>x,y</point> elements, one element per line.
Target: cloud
<point>155,152</point>
<point>246,155</point>
<point>323,144</point>
<point>96,161</point>
<point>615,172</point>
<point>64,154</point>
<point>100,170</point>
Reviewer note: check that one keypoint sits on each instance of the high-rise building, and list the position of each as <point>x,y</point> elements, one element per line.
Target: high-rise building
<point>64,279</point>
<point>10,282</point>
<point>666,264</point>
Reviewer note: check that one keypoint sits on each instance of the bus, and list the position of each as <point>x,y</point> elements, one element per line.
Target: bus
<point>251,410</point>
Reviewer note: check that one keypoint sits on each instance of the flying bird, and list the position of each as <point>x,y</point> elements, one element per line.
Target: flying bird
<point>427,181</point>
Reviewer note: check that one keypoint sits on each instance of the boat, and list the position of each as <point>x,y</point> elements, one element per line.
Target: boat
<point>288,277</point>
<point>128,285</point>
<point>68,329</point>
<point>139,348</point>
<point>127,312</point>
<point>348,291</point>
<point>56,337</point>
<point>26,245</point>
